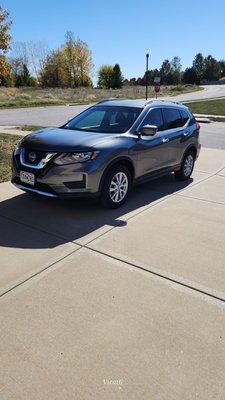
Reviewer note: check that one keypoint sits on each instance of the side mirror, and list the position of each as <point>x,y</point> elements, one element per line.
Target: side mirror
<point>148,130</point>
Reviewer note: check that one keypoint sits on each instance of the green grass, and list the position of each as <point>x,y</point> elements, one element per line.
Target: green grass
<point>33,97</point>
<point>7,144</point>
<point>210,107</point>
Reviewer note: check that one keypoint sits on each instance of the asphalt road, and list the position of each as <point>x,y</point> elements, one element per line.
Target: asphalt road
<point>213,135</point>
<point>58,115</point>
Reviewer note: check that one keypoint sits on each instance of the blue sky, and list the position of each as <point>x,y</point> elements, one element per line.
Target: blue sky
<point>119,31</point>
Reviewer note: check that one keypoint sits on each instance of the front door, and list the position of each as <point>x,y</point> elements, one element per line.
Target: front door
<point>152,150</point>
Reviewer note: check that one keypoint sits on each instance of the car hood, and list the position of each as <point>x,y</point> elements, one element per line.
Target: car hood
<point>62,140</point>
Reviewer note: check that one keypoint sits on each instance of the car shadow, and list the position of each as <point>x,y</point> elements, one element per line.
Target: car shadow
<point>78,221</point>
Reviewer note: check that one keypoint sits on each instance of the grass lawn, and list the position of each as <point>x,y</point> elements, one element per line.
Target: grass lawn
<point>7,144</point>
<point>210,107</point>
<point>31,97</point>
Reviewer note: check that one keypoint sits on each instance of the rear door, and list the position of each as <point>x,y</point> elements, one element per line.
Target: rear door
<point>173,133</point>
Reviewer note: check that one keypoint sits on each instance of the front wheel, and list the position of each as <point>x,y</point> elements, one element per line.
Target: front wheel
<point>116,187</point>
<point>187,167</point>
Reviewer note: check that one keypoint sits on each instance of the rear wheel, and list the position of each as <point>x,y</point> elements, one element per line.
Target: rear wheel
<point>187,166</point>
<point>116,187</point>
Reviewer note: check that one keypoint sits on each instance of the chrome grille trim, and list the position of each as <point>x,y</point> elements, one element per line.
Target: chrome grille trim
<point>40,165</point>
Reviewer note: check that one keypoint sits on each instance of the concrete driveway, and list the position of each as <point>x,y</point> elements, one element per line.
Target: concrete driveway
<point>119,304</point>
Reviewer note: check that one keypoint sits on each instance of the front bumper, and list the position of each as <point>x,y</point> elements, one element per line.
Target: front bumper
<point>74,180</point>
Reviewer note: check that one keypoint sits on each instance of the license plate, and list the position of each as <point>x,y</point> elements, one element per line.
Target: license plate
<point>27,177</point>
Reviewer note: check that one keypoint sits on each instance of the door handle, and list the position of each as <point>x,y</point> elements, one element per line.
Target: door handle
<point>165,140</point>
<point>186,133</point>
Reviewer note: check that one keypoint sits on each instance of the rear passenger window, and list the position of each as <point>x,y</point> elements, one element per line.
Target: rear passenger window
<point>185,116</point>
<point>172,118</point>
<point>154,117</point>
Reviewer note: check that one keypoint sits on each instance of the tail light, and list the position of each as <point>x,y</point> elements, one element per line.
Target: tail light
<point>198,127</point>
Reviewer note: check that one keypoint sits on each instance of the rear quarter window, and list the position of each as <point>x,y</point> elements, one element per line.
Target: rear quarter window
<point>192,120</point>
<point>185,116</point>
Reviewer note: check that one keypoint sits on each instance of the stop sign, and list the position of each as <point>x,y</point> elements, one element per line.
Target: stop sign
<point>157,87</point>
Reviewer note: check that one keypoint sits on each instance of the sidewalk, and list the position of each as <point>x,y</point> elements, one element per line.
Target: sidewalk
<point>13,130</point>
<point>115,304</point>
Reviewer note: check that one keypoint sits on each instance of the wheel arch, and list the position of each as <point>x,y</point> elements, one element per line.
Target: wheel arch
<point>192,148</point>
<point>118,161</point>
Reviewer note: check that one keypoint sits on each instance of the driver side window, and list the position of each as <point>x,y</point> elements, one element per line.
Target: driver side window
<point>154,117</point>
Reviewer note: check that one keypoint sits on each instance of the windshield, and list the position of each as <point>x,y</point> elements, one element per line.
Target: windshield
<point>105,119</point>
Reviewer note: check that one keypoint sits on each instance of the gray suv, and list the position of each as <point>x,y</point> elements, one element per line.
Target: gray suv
<point>108,148</point>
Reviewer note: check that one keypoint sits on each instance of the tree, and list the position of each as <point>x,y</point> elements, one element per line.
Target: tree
<point>55,73</point>
<point>5,37</point>
<point>78,60</point>
<point>140,81</point>
<point>199,67</point>
<point>189,76</point>
<point>69,66</point>
<point>149,76</point>
<point>32,54</point>
<point>176,69</point>
<point>25,76</point>
<point>105,76</point>
<point>20,52</point>
<point>20,74</point>
<point>165,71</point>
<point>70,58</point>
<point>83,62</point>
<point>117,77</point>
<point>5,23</point>
<point>37,54</point>
<point>126,82</point>
<point>222,67</point>
<point>132,82</point>
<point>21,63</point>
<point>170,71</point>
<point>212,69</point>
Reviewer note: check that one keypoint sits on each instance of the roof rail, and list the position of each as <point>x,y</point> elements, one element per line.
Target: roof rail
<point>162,100</point>
<point>148,102</point>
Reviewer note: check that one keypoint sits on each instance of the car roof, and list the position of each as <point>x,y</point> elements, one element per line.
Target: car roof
<point>140,103</point>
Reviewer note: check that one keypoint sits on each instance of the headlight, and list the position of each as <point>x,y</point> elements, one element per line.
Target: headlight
<point>17,148</point>
<point>71,158</point>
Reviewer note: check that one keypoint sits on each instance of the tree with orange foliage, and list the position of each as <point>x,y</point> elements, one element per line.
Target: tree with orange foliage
<point>5,37</point>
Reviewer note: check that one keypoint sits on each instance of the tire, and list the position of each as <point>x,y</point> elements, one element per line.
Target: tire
<point>187,166</point>
<point>116,187</point>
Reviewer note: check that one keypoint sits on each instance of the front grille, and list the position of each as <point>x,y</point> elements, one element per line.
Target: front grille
<point>37,172</point>
<point>37,154</point>
<point>35,159</point>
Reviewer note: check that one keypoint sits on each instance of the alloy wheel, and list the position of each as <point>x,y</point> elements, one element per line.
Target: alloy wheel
<point>188,165</point>
<point>118,187</point>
